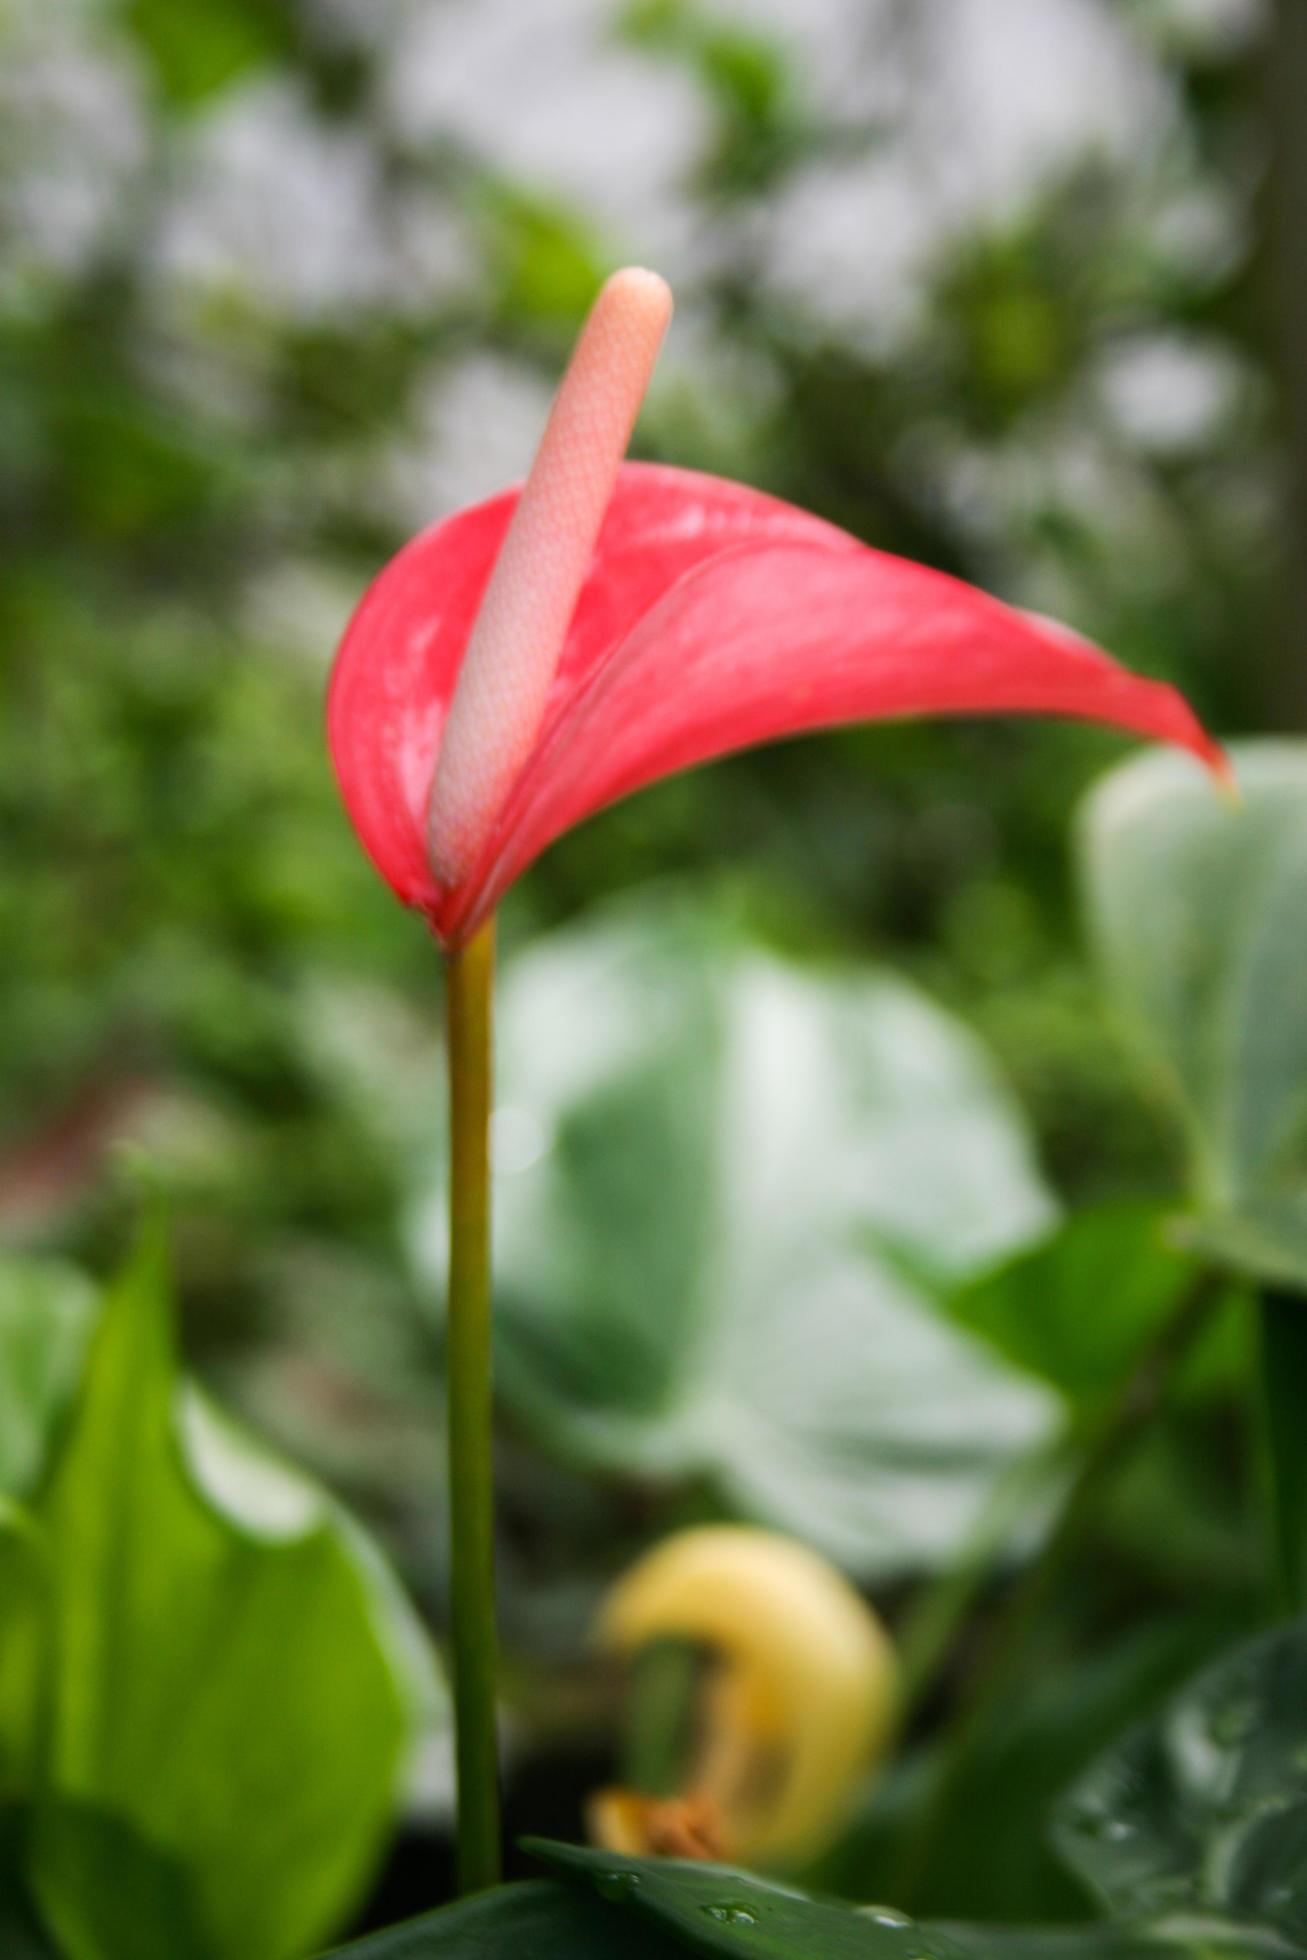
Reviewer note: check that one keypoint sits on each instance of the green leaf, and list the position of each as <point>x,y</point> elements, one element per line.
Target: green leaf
<point>700,1149</point>
<point>20,1936</point>
<point>235,1688</point>
<point>46,1314</point>
<point>1203,1811</point>
<point>1079,1308</point>
<point>1199,911</point>
<point>24,1649</point>
<point>992,1859</point>
<point>107,1891</point>
<point>718,1911</point>
<point>538,1921</point>
<point>197,50</point>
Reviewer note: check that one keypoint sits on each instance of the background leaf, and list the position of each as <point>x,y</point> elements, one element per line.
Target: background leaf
<point>1204,1810</point>
<point>24,1649</point>
<point>234,1694</point>
<point>47,1311</point>
<point>716,1170</point>
<point>714,1910</point>
<point>1079,1308</point>
<point>1199,911</point>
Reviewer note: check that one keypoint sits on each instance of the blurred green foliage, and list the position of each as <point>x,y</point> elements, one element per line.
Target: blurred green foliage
<point>256,324</point>
<point>211,1688</point>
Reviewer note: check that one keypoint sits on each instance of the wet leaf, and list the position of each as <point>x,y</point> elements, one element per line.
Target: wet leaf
<point>714,1910</point>
<point>1203,1811</point>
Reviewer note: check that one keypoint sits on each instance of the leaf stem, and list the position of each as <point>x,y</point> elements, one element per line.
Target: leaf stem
<point>470,982</point>
<point>1283,1317</point>
<point>1122,1420</point>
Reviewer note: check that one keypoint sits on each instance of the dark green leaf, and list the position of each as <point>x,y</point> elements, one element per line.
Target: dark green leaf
<point>715,1910</point>
<point>539,1921</point>
<point>21,1938</point>
<point>106,1892</point>
<point>1204,1811</point>
<point>992,1859</point>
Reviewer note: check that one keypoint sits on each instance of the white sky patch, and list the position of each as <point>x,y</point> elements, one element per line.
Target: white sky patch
<point>984,102</point>
<point>74,123</point>
<point>1169,393</point>
<point>554,99</point>
<point>476,431</point>
<point>1011,92</point>
<point>276,202</point>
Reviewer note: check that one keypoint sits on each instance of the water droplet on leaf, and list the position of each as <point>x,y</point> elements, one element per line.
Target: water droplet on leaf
<point>732,1915</point>
<point>616,1886</point>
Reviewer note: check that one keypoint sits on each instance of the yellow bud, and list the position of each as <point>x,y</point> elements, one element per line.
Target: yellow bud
<point>799,1705</point>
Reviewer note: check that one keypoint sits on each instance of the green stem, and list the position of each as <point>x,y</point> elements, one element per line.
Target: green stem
<point>1284,1383</point>
<point>930,1629</point>
<point>1119,1425</point>
<point>470,983</point>
<point>662,1703</point>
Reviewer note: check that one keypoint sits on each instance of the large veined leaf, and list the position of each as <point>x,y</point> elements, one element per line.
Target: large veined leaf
<point>1203,1812</point>
<point>1199,910</point>
<point>236,1681</point>
<point>716,1911</point>
<point>702,1153</point>
<point>47,1311</point>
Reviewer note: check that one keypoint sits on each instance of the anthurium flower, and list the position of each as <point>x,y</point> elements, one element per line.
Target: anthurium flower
<point>529,660</point>
<point>799,1706</point>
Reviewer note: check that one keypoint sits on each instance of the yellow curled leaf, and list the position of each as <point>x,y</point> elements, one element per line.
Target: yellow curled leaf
<point>800,1702</point>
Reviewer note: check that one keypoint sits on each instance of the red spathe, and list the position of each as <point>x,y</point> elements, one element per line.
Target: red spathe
<point>712,618</point>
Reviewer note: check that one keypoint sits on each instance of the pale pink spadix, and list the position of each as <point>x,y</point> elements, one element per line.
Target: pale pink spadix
<point>512,654</point>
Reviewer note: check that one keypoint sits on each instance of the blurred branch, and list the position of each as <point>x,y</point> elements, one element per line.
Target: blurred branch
<point>1286,222</point>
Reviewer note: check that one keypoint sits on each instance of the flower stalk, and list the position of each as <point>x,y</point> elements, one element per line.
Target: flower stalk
<point>469,993</point>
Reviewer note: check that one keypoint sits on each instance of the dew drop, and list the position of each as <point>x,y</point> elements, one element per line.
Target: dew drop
<point>727,1914</point>
<point>616,1886</point>
<point>884,1916</point>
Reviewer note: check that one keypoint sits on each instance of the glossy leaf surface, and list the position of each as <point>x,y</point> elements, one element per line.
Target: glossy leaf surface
<point>1204,1810</point>
<point>716,1911</point>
